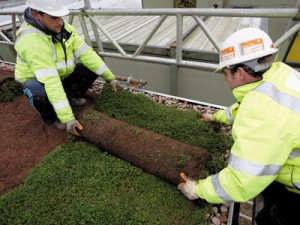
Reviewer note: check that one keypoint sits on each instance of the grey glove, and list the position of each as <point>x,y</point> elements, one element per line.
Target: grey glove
<point>114,84</point>
<point>188,187</point>
<point>72,127</point>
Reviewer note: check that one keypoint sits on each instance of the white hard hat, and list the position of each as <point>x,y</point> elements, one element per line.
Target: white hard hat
<point>244,46</point>
<point>51,7</point>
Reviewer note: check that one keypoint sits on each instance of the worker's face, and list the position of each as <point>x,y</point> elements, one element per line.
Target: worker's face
<point>231,78</point>
<point>52,23</point>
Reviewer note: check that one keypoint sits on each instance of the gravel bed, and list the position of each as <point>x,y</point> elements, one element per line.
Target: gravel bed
<point>7,66</point>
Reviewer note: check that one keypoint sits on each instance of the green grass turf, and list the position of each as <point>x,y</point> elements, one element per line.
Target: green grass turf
<point>79,184</point>
<point>10,90</point>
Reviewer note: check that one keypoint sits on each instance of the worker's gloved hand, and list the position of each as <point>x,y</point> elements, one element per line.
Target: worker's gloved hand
<point>72,127</point>
<point>206,117</point>
<point>114,84</point>
<point>188,187</point>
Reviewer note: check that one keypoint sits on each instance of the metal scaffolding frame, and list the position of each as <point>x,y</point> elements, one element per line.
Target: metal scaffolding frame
<point>197,14</point>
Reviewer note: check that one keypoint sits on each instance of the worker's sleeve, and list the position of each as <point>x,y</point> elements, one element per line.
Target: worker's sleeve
<point>260,150</point>
<point>88,57</point>
<point>226,116</point>
<point>38,54</point>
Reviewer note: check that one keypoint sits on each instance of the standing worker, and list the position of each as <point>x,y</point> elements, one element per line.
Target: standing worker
<point>47,49</point>
<point>265,156</point>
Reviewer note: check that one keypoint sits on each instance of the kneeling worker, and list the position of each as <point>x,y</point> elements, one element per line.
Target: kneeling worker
<point>47,49</point>
<point>265,156</point>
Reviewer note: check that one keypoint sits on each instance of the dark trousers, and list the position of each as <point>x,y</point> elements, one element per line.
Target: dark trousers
<point>75,86</point>
<point>281,207</point>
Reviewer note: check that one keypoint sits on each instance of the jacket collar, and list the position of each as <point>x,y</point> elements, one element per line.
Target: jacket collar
<point>240,92</point>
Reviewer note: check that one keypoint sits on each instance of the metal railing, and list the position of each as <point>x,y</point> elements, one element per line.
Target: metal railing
<point>197,14</point>
<point>11,3</point>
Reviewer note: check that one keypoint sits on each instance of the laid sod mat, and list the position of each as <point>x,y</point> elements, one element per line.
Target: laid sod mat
<point>79,184</point>
<point>183,126</point>
<point>141,111</point>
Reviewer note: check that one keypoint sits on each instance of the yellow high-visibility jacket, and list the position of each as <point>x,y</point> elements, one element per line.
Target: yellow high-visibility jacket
<point>266,139</point>
<point>38,57</point>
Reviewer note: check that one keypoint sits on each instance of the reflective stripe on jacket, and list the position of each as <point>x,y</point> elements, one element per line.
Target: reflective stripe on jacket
<point>266,139</point>
<point>227,115</point>
<point>38,57</point>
